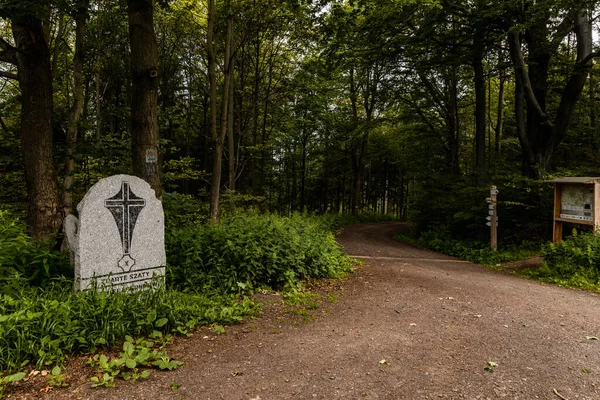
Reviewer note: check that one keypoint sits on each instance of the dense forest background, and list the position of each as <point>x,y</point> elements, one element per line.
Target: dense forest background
<point>408,108</point>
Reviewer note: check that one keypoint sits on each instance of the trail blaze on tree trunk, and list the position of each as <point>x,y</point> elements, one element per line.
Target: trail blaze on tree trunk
<point>144,97</point>
<point>32,58</point>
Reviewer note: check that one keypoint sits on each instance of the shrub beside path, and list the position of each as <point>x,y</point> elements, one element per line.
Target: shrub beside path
<point>409,324</point>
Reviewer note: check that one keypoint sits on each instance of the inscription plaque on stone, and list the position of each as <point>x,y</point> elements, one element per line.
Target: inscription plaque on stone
<point>120,238</point>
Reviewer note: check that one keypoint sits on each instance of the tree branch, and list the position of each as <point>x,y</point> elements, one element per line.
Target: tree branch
<point>9,75</point>
<point>562,30</point>
<point>519,64</point>
<point>8,53</point>
<point>455,7</point>
<point>587,59</point>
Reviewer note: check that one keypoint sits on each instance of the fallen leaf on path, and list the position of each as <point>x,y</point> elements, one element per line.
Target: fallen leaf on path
<point>46,389</point>
<point>490,367</point>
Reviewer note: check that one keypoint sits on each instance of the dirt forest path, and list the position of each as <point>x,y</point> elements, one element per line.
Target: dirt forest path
<point>435,320</point>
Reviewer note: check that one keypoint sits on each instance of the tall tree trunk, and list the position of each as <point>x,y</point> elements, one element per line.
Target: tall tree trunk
<point>98,105</point>
<point>453,124</point>
<point>255,169</point>
<point>303,169</point>
<point>528,157</point>
<point>500,111</point>
<point>32,58</point>
<point>144,97</point>
<point>480,107</point>
<point>77,107</point>
<point>356,161</point>
<point>576,82</point>
<point>543,135</point>
<point>593,124</point>
<point>230,139</point>
<point>215,188</point>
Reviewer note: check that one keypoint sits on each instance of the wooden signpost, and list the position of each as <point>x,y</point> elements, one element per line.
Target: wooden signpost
<point>576,201</point>
<point>493,217</point>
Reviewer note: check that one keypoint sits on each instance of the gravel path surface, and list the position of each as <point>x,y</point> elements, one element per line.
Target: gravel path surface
<point>409,324</point>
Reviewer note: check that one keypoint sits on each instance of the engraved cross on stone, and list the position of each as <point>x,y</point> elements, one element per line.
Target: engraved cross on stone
<point>125,208</point>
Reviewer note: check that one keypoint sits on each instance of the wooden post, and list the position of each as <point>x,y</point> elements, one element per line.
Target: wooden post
<point>494,218</point>
<point>558,225</point>
<point>596,207</point>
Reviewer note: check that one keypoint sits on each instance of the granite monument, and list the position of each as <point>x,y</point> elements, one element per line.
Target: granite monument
<point>118,241</point>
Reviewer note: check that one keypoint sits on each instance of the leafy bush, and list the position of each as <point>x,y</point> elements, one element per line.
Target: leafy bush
<point>43,325</point>
<point>574,261</point>
<point>248,251</point>
<point>21,259</point>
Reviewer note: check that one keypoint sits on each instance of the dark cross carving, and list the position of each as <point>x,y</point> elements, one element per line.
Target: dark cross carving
<point>125,208</point>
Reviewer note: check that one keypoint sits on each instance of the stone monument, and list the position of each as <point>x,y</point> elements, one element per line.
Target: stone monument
<point>118,241</point>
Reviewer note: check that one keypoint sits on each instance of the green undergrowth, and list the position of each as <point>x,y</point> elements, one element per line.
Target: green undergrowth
<point>574,262</point>
<point>247,252</point>
<point>45,325</point>
<point>478,252</point>
<point>19,257</point>
<point>211,268</point>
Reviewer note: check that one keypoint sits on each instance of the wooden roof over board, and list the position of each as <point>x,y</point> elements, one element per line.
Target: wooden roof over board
<point>576,179</point>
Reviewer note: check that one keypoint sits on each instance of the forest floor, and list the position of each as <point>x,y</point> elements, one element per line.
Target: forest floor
<point>408,324</point>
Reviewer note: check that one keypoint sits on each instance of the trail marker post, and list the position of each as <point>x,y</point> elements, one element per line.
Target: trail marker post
<point>493,217</point>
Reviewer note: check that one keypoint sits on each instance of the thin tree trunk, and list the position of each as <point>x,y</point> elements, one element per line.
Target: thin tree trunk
<point>144,98</point>
<point>480,123</point>
<point>60,32</point>
<point>215,188</point>
<point>230,140</point>
<point>254,168</point>
<point>500,113</point>
<point>593,124</point>
<point>32,58</point>
<point>98,106</point>
<point>76,108</point>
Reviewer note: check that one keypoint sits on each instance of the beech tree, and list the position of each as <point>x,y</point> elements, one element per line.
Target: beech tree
<point>539,132</point>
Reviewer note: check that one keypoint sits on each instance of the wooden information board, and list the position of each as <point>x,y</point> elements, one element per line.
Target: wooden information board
<point>577,201</point>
